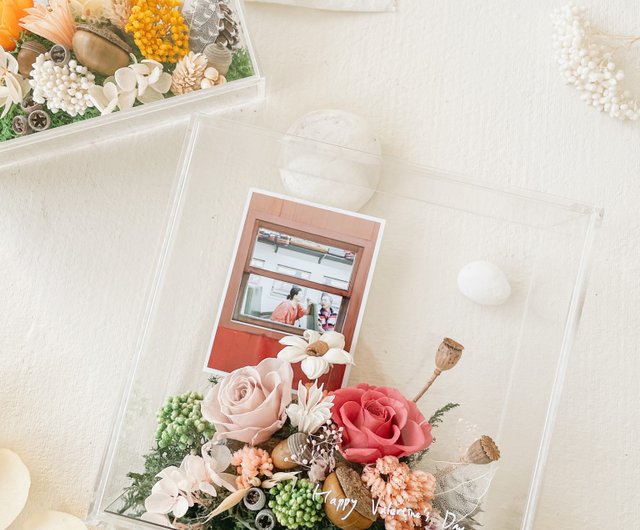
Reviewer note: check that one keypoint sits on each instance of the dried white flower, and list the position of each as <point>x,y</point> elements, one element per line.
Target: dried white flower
<point>145,81</point>
<point>13,87</point>
<point>585,60</point>
<point>62,87</point>
<point>316,353</point>
<point>312,409</point>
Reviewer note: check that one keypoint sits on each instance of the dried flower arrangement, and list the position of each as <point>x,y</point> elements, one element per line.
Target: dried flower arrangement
<point>78,59</point>
<point>252,455</point>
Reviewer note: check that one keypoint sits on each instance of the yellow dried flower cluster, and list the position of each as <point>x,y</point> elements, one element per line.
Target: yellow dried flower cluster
<point>159,30</point>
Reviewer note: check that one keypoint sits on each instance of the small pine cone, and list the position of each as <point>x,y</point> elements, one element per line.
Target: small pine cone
<point>189,73</point>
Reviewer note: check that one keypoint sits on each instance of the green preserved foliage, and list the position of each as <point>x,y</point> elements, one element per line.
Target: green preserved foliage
<point>181,425</point>
<point>240,66</point>
<point>294,504</point>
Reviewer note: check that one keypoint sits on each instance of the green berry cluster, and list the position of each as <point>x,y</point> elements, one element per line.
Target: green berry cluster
<point>180,423</point>
<point>294,504</point>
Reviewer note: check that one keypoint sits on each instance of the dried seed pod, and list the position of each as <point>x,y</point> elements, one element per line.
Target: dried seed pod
<point>28,105</point>
<point>60,55</point>
<point>483,451</point>
<point>255,499</point>
<point>20,125</point>
<point>447,356</point>
<point>100,50</point>
<point>218,56</point>
<point>27,56</point>
<point>345,485</point>
<point>39,120</point>
<point>265,520</point>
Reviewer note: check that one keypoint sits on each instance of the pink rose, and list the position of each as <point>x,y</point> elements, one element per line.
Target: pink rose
<point>378,421</point>
<point>249,404</point>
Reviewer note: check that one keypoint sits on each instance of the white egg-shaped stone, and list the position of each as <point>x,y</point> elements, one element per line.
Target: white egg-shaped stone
<point>322,170</point>
<point>52,520</point>
<point>15,482</point>
<point>484,283</point>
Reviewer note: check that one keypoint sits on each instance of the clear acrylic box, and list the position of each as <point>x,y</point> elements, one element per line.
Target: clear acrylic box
<point>509,381</point>
<point>232,94</point>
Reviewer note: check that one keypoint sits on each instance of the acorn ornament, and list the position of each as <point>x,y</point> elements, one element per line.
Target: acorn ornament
<point>27,55</point>
<point>447,356</point>
<point>100,50</point>
<point>347,501</point>
<point>292,452</point>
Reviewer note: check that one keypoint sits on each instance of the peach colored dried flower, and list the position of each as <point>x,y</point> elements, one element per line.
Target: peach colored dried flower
<point>53,22</point>
<point>395,486</point>
<point>251,462</point>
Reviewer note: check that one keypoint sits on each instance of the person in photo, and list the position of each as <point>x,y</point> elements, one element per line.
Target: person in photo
<point>290,310</point>
<point>327,316</point>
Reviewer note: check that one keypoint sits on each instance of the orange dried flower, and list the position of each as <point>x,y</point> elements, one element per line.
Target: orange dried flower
<point>251,462</point>
<point>159,30</point>
<point>396,487</point>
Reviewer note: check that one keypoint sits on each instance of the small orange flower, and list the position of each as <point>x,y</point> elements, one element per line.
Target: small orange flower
<point>251,462</point>
<point>159,30</point>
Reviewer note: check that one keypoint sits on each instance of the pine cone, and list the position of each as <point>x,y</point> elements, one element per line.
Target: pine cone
<point>188,74</point>
<point>212,21</point>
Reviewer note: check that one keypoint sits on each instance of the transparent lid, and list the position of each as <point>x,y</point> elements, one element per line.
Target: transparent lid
<point>509,379</point>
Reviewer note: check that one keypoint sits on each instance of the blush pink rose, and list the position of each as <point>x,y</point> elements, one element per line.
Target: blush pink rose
<point>378,421</point>
<point>249,404</point>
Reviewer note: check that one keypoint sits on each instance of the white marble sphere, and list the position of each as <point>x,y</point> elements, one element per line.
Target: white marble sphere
<point>15,482</point>
<point>484,283</point>
<point>52,520</point>
<point>323,170</point>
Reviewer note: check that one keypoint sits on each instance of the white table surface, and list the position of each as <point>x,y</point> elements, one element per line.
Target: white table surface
<point>467,86</point>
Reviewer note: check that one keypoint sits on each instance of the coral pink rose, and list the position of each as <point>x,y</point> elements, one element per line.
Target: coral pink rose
<point>249,404</point>
<point>378,421</point>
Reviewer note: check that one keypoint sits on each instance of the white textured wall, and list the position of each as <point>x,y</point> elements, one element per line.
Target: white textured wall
<point>467,86</point>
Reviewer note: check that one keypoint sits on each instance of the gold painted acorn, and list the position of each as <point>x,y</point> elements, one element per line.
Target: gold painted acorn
<point>100,50</point>
<point>27,55</point>
<point>290,453</point>
<point>343,490</point>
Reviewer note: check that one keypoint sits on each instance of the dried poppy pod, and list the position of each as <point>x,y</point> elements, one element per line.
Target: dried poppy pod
<point>290,453</point>
<point>483,451</point>
<point>347,503</point>
<point>447,356</point>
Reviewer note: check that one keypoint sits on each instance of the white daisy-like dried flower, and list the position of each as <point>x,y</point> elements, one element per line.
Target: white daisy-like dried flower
<point>118,12</point>
<point>88,10</point>
<point>316,352</point>
<point>312,410</point>
<point>62,87</point>
<point>13,87</point>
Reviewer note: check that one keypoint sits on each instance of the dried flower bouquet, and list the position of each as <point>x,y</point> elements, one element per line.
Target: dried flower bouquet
<point>251,454</point>
<point>78,59</point>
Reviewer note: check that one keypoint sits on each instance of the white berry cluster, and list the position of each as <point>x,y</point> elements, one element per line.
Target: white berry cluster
<point>61,87</point>
<point>586,63</point>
